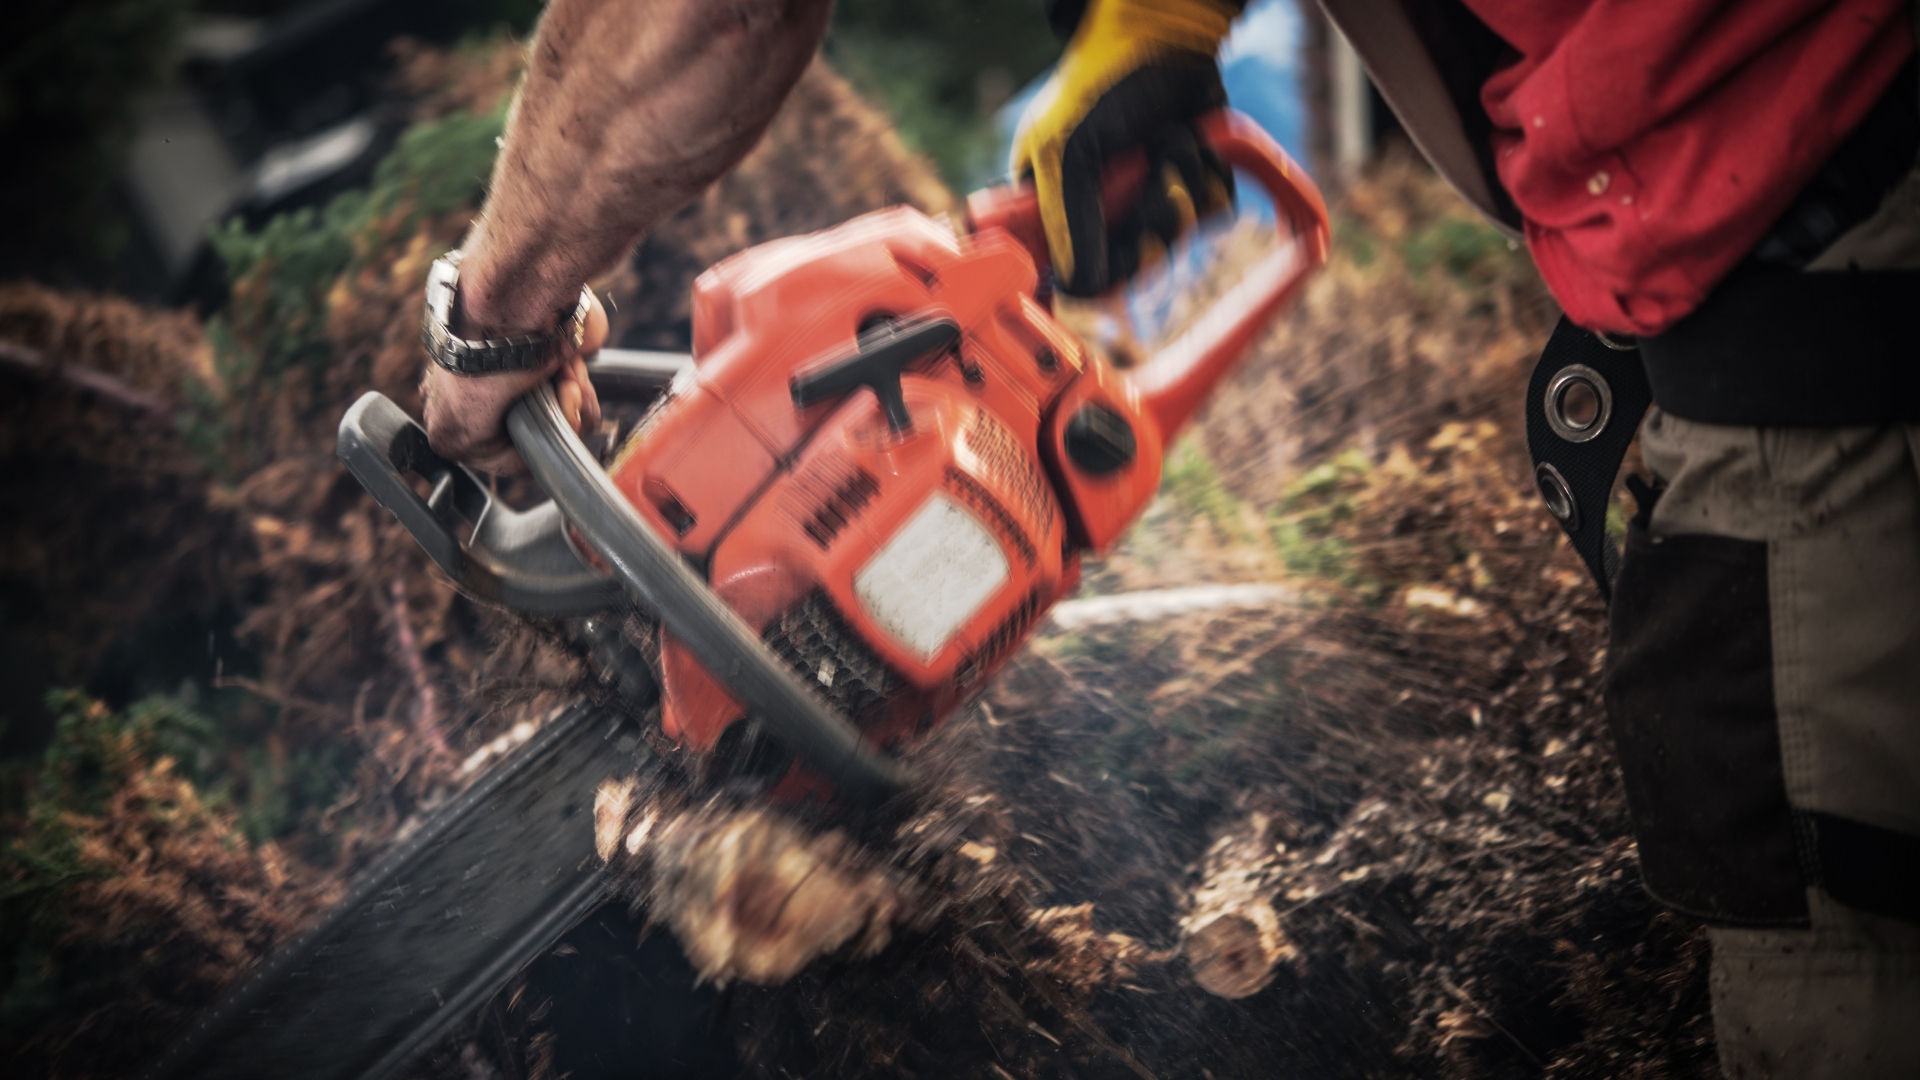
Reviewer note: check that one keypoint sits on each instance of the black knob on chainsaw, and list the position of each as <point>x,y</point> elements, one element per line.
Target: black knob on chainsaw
<point>1099,440</point>
<point>884,350</point>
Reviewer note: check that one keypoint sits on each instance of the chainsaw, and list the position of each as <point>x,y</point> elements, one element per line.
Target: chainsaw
<point>880,467</point>
<point>877,472</point>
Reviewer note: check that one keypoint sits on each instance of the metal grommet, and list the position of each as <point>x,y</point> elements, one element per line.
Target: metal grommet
<point>1622,343</point>
<point>1558,495</point>
<point>1565,381</point>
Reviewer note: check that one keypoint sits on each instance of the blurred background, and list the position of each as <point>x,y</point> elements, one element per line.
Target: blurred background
<point>135,126</point>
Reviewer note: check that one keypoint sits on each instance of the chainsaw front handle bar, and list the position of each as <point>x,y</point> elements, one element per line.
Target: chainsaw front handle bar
<point>661,580</point>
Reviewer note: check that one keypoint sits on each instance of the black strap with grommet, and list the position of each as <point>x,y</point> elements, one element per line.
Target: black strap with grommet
<point>1584,404</point>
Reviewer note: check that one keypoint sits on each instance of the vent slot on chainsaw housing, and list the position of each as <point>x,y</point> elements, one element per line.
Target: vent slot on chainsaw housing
<point>978,497</point>
<point>1002,458</point>
<point>841,506</point>
<point>671,508</point>
<point>814,640</point>
<point>1011,631</point>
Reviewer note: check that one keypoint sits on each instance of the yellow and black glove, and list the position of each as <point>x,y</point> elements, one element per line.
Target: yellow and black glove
<point>1135,75</point>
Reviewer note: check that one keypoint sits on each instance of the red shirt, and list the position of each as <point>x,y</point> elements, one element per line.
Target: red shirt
<point>1650,145</point>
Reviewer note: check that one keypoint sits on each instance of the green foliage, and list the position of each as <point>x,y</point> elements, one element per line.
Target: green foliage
<point>119,797</point>
<point>1616,526</point>
<point>284,272</point>
<point>283,791</point>
<point>295,259</point>
<point>1470,251</point>
<point>517,16</point>
<point>941,68</point>
<point>438,167</point>
<point>95,749</point>
<point>1355,240</point>
<point>435,169</point>
<point>1305,523</point>
<point>1192,482</point>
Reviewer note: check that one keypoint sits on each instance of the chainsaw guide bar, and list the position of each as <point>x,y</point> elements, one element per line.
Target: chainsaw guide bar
<point>482,887</point>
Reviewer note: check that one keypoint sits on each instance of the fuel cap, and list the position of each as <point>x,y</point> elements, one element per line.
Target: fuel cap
<point>1099,440</point>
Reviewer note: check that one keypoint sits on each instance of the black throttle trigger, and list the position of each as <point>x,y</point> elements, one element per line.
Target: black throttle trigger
<point>884,350</point>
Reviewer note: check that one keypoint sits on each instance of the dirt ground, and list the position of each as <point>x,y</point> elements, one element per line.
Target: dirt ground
<point>1404,755</point>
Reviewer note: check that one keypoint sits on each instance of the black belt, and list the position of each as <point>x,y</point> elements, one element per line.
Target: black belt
<point>1782,349</point>
<point>1769,348</point>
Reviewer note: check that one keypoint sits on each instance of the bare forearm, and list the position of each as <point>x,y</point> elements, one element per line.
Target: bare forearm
<point>630,109</point>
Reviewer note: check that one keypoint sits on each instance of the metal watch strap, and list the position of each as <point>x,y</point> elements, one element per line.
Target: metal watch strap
<point>490,356</point>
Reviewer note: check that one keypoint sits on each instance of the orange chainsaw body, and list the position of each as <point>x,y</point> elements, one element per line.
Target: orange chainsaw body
<point>897,566</point>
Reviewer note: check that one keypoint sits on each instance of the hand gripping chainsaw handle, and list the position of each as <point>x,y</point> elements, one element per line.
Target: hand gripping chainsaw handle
<point>1178,378</point>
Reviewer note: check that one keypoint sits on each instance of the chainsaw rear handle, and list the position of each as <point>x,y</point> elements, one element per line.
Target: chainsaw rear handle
<point>662,581</point>
<point>1178,378</point>
<point>520,559</point>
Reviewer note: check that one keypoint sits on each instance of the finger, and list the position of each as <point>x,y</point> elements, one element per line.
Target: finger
<point>465,415</point>
<point>1216,191</point>
<point>1173,212</point>
<point>1143,252</point>
<point>504,462</point>
<point>1038,147</point>
<point>576,371</point>
<point>1142,234</point>
<point>1084,272</point>
<point>1182,174</point>
<point>594,336</point>
<point>572,388</point>
<point>567,392</point>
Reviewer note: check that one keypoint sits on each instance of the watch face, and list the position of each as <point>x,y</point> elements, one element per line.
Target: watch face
<point>442,280</point>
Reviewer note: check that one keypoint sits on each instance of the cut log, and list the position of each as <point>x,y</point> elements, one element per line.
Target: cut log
<point>1230,932</point>
<point>1233,953</point>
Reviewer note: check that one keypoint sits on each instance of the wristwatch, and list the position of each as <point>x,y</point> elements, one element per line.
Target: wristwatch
<point>488,357</point>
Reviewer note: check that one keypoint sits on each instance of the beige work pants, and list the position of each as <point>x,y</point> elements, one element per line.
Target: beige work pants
<point>1764,685</point>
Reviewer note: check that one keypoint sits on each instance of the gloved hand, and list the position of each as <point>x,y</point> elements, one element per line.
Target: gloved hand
<point>1135,75</point>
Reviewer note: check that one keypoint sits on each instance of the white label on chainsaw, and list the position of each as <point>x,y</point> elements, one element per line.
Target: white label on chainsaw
<point>932,576</point>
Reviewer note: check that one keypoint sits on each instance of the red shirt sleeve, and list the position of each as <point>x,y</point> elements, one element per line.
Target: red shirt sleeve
<point>1650,144</point>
